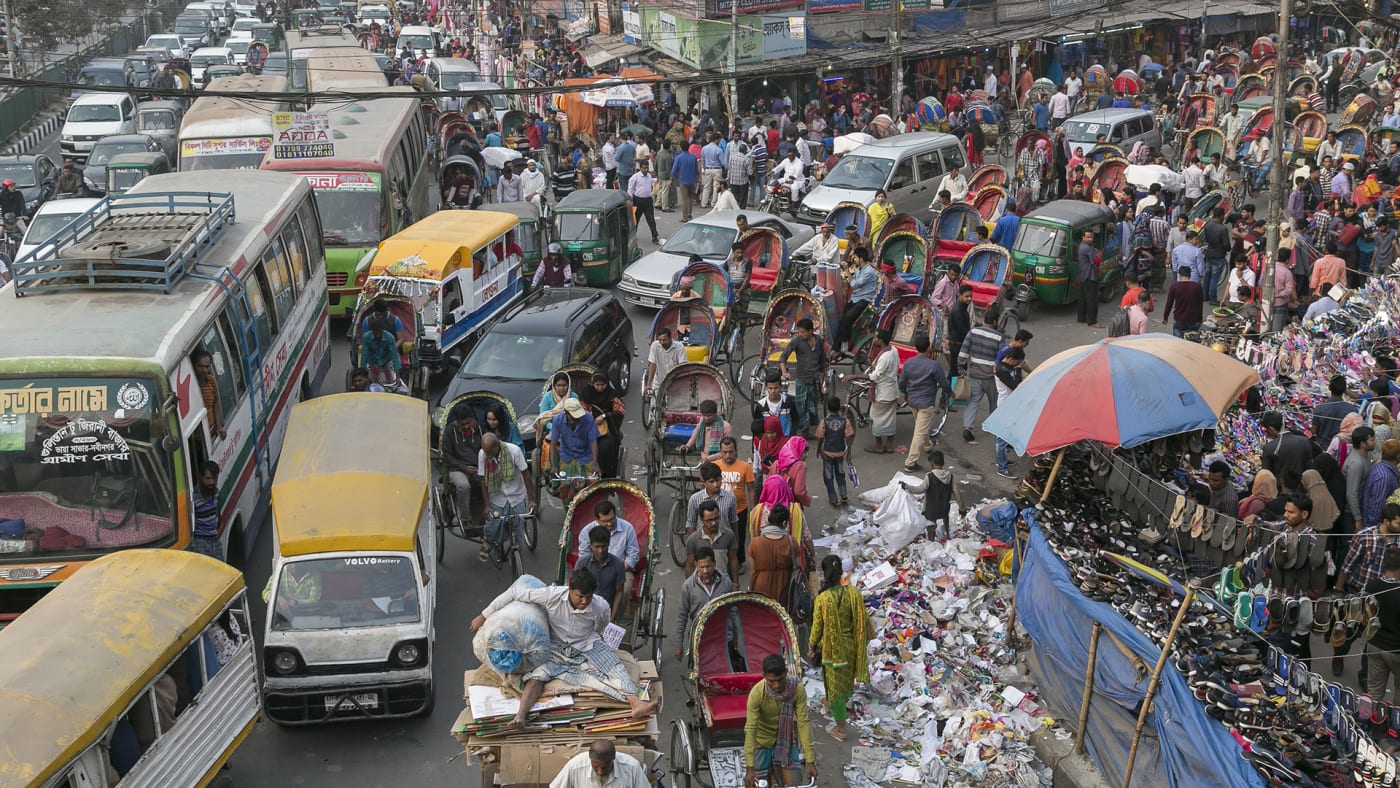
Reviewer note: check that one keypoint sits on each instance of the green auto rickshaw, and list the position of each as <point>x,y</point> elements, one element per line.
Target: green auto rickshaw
<point>269,33</point>
<point>125,170</point>
<point>533,235</point>
<point>1046,252</point>
<point>598,234</point>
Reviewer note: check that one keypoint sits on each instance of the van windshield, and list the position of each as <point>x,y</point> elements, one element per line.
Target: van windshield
<point>1040,240</point>
<point>94,113</point>
<point>859,172</point>
<point>339,593</point>
<point>105,77</point>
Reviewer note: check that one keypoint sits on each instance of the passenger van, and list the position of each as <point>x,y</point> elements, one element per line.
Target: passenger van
<point>93,116</point>
<point>353,584</point>
<point>420,37</point>
<point>138,670</point>
<point>908,167</point>
<point>1122,127</point>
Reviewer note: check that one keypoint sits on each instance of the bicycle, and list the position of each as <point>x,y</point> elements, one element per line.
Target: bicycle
<point>857,406</point>
<point>457,523</point>
<point>517,526</point>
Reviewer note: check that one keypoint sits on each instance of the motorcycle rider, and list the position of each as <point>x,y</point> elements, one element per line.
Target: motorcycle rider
<point>792,173</point>
<point>12,202</point>
<point>554,270</point>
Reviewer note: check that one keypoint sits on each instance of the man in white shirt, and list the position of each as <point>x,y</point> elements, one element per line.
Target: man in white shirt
<point>1329,147</point>
<point>724,198</point>
<point>505,476</point>
<point>955,184</point>
<point>577,620</point>
<point>610,162</point>
<point>665,354</point>
<point>640,189</point>
<point>1232,123</point>
<point>1059,108</point>
<point>1073,84</point>
<point>1195,179</point>
<point>1216,172</point>
<point>791,171</point>
<point>601,767</point>
<point>533,183</point>
<point>990,83</point>
<point>824,246</point>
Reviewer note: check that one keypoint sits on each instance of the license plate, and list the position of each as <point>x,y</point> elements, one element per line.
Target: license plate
<point>366,700</point>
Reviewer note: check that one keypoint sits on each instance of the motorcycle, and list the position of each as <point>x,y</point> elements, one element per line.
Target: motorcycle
<point>778,197</point>
<point>13,236</point>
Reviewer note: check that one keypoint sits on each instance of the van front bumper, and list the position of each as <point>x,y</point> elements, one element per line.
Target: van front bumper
<point>311,701</point>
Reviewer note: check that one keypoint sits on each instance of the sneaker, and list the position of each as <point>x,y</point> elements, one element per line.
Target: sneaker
<point>1005,473</point>
<point>969,437</point>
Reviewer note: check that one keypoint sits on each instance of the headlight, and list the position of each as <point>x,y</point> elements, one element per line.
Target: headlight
<point>408,654</point>
<point>66,138</point>
<point>29,206</point>
<point>627,280</point>
<point>285,662</point>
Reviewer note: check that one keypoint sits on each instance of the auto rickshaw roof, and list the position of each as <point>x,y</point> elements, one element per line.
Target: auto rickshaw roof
<point>145,158</point>
<point>522,210</point>
<point>78,659</point>
<point>591,200</point>
<point>1071,212</point>
<point>442,241</point>
<point>354,474</point>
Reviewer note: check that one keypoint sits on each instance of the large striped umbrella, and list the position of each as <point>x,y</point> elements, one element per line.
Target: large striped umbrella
<point>1121,392</point>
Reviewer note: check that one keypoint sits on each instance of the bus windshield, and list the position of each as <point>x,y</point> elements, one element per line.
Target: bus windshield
<point>81,467</point>
<point>339,593</point>
<point>230,153</point>
<point>352,208</point>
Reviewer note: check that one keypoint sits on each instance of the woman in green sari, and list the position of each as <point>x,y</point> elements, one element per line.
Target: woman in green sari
<point>841,629</point>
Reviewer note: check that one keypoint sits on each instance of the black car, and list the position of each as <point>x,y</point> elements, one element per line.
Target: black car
<point>34,177</point>
<point>550,328</point>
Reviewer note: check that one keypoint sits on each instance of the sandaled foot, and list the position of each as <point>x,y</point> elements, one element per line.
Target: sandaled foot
<point>516,724</point>
<point>645,710</point>
<point>838,732</point>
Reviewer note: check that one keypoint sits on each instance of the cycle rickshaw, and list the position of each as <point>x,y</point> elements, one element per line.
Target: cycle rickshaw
<point>1313,125</point>
<point>449,125</point>
<point>1302,87</point>
<point>906,317</point>
<point>725,648</point>
<point>907,252</point>
<point>406,299</point>
<point>475,407</point>
<point>1380,138</point>
<point>952,237</point>
<point>1360,110</point>
<point>932,116</point>
<point>990,202</point>
<point>986,175</point>
<point>462,184</point>
<point>1250,86</point>
<point>1105,150</point>
<point>1111,175</point>
<point>786,308</point>
<point>711,284</point>
<point>1202,143</point>
<point>676,416</point>
<point>844,215</point>
<point>541,458</point>
<point>768,253</point>
<point>648,600</point>
<point>692,323</point>
<point>1353,140</point>
<point>899,223</point>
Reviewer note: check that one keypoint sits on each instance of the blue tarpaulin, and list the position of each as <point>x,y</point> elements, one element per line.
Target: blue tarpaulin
<point>1181,747</point>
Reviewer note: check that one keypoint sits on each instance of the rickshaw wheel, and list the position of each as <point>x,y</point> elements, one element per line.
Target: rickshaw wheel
<point>1010,322</point>
<point>743,376</point>
<point>658,619</point>
<point>1006,147</point>
<point>532,532</point>
<point>1114,291</point>
<point>441,523</point>
<point>682,754</point>
<point>651,469</point>
<point>675,524</point>
<point>517,564</point>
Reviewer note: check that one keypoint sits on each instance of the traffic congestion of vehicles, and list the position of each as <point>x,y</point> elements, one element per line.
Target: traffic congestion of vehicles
<point>334,286</point>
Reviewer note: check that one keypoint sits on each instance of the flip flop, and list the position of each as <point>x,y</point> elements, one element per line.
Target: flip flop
<point>1244,604</point>
<point>1259,616</point>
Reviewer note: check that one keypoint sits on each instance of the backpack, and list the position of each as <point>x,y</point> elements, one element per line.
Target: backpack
<point>1119,326</point>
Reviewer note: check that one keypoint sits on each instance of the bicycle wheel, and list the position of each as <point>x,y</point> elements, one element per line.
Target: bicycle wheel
<point>858,400</point>
<point>647,416</point>
<point>744,377</point>
<point>1009,323</point>
<point>1006,146</point>
<point>517,563</point>
<point>675,524</point>
<point>532,532</point>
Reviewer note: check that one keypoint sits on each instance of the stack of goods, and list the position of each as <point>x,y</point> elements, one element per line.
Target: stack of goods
<point>938,707</point>
<point>563,713</point>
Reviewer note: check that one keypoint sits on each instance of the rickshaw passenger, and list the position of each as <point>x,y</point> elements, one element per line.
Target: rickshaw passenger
<point>714,428</point>
<point>738,266</point>
<point>578,654</point>
<point>552,403</point>
<point>601,397</point>
<point>574,439</point>
<point>777,712</point>
<point>379,352</point>
<point>461,444</point>
<point>622,535</point>
<point>605,567</point>
<point>380,309</point>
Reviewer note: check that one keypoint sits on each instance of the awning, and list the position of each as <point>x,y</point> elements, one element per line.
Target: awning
<point>606,48</point>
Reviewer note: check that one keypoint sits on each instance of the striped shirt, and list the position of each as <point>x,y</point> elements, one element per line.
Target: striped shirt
<point>979,351</point>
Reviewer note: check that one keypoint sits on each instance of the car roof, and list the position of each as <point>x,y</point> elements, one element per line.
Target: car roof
<point>1075,211</point>
<point>213,50</point>
<point>540,314</point>
<point>71,206</point>
<point>891,146</point>
<point>1110,115</point>
<point>106,62</point>
<point>99,98</point>
<point>19,158</point>
<point>114,138</point>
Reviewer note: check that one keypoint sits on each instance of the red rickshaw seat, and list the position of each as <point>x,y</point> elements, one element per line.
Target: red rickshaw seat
<point>905,353</point>
<point>763,279</point>
<point>728,711</point>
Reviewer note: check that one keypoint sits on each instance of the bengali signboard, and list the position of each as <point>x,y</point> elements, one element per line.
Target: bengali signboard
<point>779,38</point>
<point>832,6</point>
<point>631,23</point>
<point>725,7</point>
<point>302,135</point>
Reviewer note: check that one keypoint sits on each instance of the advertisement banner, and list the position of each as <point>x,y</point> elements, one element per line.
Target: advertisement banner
<point>343,181</point>
<point>227,146</point>
<point>832,6</point>
<point>676,36</point>
<point>723,7</point>
<point>631,24</point>
<point>780,40</point>
<point>302,135</point>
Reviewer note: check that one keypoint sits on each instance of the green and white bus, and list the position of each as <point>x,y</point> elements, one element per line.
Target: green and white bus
<point>378,181</point>
<point>104,420</point>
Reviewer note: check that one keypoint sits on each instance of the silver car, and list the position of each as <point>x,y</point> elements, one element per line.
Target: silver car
<point>647,282</point>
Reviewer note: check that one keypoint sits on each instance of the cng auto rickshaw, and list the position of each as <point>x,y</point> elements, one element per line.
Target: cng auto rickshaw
<point>1045,252</point>
<point>89,665</point>
<point>532,235</point>
<point>160,120</point>
<point>596,229</point>
<point>353,585</point>
<point>125,170</point>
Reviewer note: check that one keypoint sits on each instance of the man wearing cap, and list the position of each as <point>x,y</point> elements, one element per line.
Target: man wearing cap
<point>554,270</point>
<point>823,246</point>
<point>864,283</point>
<point>892,285</point>
<point>1341,182</point>
<point>574,436</point>
<point>990,83</point>
<point>602,765</point>
<point>533,183</point>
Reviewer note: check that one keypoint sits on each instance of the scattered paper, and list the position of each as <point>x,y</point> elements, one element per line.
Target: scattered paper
<point>1013,696</point>
<point>487,702</point>
<point>613,635</point>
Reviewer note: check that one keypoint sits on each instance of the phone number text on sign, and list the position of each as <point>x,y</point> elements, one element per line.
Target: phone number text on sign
<point>314,150</point>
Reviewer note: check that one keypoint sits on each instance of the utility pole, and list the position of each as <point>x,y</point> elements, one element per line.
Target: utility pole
<point>734,65</point>
<point>896,61</point>
<point>10,51</point>
<point>1278,174</point>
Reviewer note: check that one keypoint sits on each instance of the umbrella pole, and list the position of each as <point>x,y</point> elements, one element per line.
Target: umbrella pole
<point>1088,689</point>
<point>1155,680</point>
<point>1054,471</point>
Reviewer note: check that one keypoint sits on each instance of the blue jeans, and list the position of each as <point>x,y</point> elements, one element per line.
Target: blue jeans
<point>1210,279</point>
<point>495,531</point>
<point>834,476</point>
<point>1003,464</point>
<point>1179,328</point>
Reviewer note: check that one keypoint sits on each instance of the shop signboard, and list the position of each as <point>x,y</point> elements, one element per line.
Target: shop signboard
<point>676,36</point>
<point>1066,7</point>
<point>832,6</point>
<point>725,7</point>
<point>779,38</point>
<point>631,23</point>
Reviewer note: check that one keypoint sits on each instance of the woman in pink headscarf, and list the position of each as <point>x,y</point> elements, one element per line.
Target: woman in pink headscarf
<point>792,466</point>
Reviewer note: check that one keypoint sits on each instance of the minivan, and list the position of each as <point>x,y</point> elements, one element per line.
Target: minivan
<point>106,72</point>
<point>216,12</point>
<point>1123,127</point>
<point>93,116</point>
<point>447,73</point>
<point>420,37</point>
<point>908,167</point>
<point>195,30</point>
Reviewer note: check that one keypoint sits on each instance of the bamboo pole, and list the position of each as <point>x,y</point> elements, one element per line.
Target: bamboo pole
<point>1088,689</point>
<point>1156,678</point>
<point>1054,471</point>
<point>1016,550</point>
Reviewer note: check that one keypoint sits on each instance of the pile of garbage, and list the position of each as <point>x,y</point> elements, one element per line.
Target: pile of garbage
<point>939,709</point>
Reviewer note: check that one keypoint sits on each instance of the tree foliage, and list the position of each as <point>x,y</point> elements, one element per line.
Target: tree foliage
<point>44,25</point>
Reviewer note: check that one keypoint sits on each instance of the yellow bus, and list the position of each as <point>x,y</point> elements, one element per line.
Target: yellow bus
<point>378,181</point>
<point>140,668</point>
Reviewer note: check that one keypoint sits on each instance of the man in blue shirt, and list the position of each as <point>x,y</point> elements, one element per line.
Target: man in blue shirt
<point>864,281</point>
<point>1041,110</point>
<point>1004,233</point>
<point>574,439</point>
<point>713,162</point>
<point>626,157</point>
<point>685,172</point>
<point>1189,255</point>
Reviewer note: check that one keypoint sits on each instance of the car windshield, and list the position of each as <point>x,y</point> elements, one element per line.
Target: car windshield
<point>156,120</point>
<point>453,80</point>
<point>1040,240</point>
<point>705,240</point>
<point>275,64</point>
<point>94,113</point>
<point>200,61</point>
<point>341,593</point>
<point>103,151</point>
<point>168,42</point>
<point>417,42</point>
<point>103,77</point>
<point>859,172</point>
<point>192,27</point>
<point>85,466</point>
<point>46,226</point>
<point>579,226</point>
<point>501,354</point>
<point>244,23</point>
<point>350,217</point>
<point>22,174</point>
<point>239,47</point>
<point>1084,130</point>
<point>160,55</point>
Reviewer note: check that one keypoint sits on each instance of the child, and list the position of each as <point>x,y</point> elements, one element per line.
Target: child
<point>833,435</point>
<point>939,494</point>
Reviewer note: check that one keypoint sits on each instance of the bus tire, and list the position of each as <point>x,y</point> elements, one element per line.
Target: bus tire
<point>306,392</point>
<point>234,554</point>
<point>111,250</point>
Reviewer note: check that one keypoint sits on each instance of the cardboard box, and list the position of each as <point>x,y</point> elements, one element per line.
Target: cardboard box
<point>534,766</point>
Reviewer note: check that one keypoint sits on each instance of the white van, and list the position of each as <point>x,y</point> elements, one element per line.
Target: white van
<point>1122,127</point>
<point>420,37</point>
<point>94,116</point>
<point>908,167</point>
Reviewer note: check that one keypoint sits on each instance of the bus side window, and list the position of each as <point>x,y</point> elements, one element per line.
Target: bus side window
<point>260,294</point>
<point>227,338</point>
<point>274,263</point>
<point>295,242</point>
<point>311,230</point>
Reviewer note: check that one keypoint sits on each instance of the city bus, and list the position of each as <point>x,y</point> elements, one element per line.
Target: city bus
<point>378,182</point>
<point>344,69</point>
<point>301,43</point>
<point>105,421</point>
<point>225,133</point>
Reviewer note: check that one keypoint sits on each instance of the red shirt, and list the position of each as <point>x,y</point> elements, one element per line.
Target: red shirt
<point>772,142</point>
